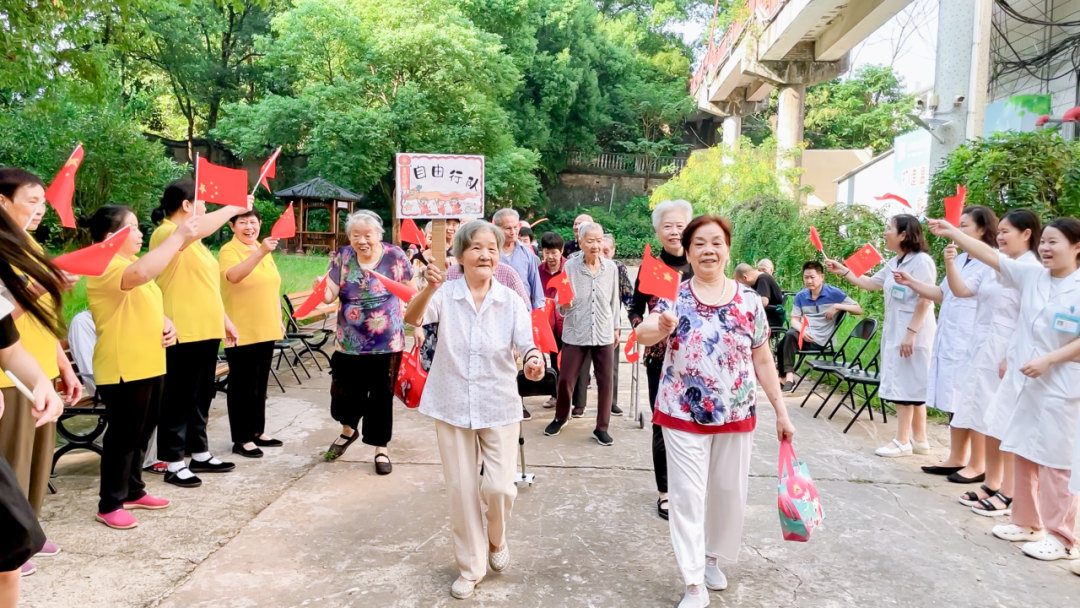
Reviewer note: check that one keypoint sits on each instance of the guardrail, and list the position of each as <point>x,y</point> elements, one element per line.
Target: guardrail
<point>718,51</point>
<point>634,164</point>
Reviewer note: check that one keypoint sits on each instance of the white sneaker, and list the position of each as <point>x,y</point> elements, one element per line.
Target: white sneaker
<point>462,589</point>
<point>695,597</point>
<point>920,448</point>
<point>714,577</point>
<point>1015,533</point>
<point>1049,549</point>
<point>894,449</point>
<point>499,560</point>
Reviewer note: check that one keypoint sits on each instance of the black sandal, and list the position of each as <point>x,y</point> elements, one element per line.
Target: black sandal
<point>661,510</point>
<point>337,449</point>
<point>383,468</point>
<point>989,509</point>
<point>970,499</point>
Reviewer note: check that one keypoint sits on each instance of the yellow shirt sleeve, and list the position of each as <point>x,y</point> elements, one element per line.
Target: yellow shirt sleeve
<point>129,326</point>
<point>190,286</point>
<point>253,304</point>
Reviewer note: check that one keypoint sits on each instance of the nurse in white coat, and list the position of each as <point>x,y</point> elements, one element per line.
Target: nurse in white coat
<point>907,337</point>
<point>952,342</point>
<point>1046,387</point>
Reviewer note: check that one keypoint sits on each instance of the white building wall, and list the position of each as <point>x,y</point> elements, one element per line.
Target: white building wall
<point>1028,40</point>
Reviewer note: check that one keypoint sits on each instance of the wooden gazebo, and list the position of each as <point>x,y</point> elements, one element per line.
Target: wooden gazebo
<point>313,195</point>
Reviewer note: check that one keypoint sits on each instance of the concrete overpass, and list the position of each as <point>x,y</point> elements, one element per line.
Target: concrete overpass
<point>785,44</point>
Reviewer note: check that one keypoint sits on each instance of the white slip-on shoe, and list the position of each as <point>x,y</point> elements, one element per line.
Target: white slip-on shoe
<point>695,597</point>
<point>463,589</point>
<point>714,577</point>
<point>1049,549</point>
<point>1075,567</point>
<point>1015,533</point>
<point>920,448</point>
<point>499,560</point>
<point>894,449</point>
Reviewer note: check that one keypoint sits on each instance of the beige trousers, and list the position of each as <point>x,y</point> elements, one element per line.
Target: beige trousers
<point>27,449</point>
<point>462,452</point>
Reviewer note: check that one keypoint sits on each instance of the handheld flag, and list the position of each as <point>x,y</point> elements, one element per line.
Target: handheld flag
<point>564,291</point>
<point>285,226</point>
<point>411,234</point>
<point>815,238</point>
<point>62,188</point>
<point>269,169</point>
<point>657,278</point>
<point>221,185</point>
<point>92,261</point>
<point>312,301</point>
<point>954,206</point>
<point>630,350</point>
<point>802,330</point>
<point>895,197</point>
<point>542,334</point>
<point>863,260</point>
<point>401,290</point>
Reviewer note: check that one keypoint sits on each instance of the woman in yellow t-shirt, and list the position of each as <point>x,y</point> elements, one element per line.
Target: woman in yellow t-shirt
<point>129,357</point>
<point>191,295</point>
<point>251,288</point>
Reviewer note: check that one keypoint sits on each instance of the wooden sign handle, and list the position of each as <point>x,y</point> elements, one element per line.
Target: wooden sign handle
<point>438,242</point>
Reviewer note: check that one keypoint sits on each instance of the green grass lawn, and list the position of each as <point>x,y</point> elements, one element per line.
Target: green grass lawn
<point>297,273</point>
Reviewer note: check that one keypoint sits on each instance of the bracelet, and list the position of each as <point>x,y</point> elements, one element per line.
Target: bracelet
<point>848,272</point>
<point>914,331</point>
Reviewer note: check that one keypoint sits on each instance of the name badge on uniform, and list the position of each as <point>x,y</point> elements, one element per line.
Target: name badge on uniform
<point>1067,324</point>
<point>899,292</point>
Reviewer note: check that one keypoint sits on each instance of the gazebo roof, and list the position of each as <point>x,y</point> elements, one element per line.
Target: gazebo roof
<point>319,188</point>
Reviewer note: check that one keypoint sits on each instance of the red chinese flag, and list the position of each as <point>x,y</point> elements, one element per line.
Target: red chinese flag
<point>62,189</point>
<point>93,260</point>
<point>401,290</point>
<point>802,330</point>
<point>815,238</point>
<point>221,185</point>
<point>895,197</point>
<point>564,291</point>
<point>954,206</point>
<point>312,301</point>
<point>863,260</point>
<point>630,350</point>
<point>285,226</point>
<point>411,234</point>
<point>269,169</point>
<point>657,278</point>
<point>543,337</point>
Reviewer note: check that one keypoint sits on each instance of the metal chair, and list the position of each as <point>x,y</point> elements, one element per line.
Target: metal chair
<point>313,340</point>
<point>826,349</point>
<point>865,379</point>
<point>864,332</point>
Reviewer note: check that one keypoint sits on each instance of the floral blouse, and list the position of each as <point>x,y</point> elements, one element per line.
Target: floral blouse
<point>369,317</point>
<point>708,383</point>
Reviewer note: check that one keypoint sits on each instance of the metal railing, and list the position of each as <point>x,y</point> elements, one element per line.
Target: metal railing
<point>634,164</point>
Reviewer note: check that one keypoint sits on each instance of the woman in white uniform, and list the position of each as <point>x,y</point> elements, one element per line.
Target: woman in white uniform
<point>1046,387</point>
<point>995,320</point>
<point>908,335</point>
<point>952,342</point>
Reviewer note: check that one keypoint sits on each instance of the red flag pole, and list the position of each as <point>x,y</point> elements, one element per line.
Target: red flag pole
<point>196,181</point>
<point>262,174</point>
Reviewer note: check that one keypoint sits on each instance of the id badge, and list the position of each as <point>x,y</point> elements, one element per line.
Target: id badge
<point>1067,324</point>
<point>899,292</point>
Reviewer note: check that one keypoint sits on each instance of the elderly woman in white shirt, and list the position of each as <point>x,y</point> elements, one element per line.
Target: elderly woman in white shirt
<point>471,393</point>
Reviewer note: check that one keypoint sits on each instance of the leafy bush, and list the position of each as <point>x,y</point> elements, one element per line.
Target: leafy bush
<point>629,222</point>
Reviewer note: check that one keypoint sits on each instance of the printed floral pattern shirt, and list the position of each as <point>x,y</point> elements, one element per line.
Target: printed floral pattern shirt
<point>708,383</point>
<point>369,318</point>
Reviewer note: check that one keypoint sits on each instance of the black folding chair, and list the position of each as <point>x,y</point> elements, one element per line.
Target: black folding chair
<point>870,381</point>
<point>313,340</point>
<point>548,386</point>
<point>826,349</point>
<point>863,332</point>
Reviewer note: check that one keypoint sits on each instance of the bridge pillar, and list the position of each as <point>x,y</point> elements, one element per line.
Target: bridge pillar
<point>732,131</point>
<point>789,130</point>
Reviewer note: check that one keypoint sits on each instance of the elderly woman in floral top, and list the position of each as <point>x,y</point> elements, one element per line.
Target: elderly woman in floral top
<point>717,340</point>
<point>370,336</point>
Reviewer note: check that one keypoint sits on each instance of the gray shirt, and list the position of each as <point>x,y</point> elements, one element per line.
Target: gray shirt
<point>590,320</point>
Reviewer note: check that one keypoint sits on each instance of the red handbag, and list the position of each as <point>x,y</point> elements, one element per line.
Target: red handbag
<point>410,379</point>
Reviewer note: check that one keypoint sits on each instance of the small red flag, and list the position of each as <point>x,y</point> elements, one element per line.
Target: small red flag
<point>863,260</point>
<point>285,226</point>
<point>411,234</point>
<point>221,185</point>
<point>542,334</point>
<point>815,238</point>
<point>92,261</point>
<point>401,290</point>
<point>954,206</point>
<point>62,188</point>
<point>269,169</point>
<point>564,291</point>
<point>312,301</point>
<point>802,330</point>
<point>657,278</point>
<point>630,350</point>
<point>895,197</point>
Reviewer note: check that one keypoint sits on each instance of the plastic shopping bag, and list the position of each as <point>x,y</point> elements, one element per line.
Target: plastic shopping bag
<point>410,378</point>
<point>797,498</point>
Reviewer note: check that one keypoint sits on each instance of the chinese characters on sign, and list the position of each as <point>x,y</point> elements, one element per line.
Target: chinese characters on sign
<point>911,171</point>
<point>439,186</point>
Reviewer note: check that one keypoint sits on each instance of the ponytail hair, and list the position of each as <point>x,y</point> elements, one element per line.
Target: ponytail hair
<point>1026,219</point>
<point>173,198</point>
<point>107,218</point>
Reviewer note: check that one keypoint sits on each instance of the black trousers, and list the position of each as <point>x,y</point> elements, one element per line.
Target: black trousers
<point>22,537</point>
<point>581,390</point>
<point>189,390</point>
<point>133,414</point>
<point>788,349</point>
<point>362,387</point>
<point>249,373</point>
<point>659,450</point>
<point>573,357</point>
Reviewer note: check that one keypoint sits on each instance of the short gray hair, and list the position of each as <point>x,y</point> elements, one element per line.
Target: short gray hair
<point>610,238</point>
<point>586,228</point>
<point>664,207</point>
<point>466,234</point>
<point>501,213</point>
<point>364,218</point>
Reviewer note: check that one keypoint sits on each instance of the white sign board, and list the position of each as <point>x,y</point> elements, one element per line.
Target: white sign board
<point>439,186</point>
